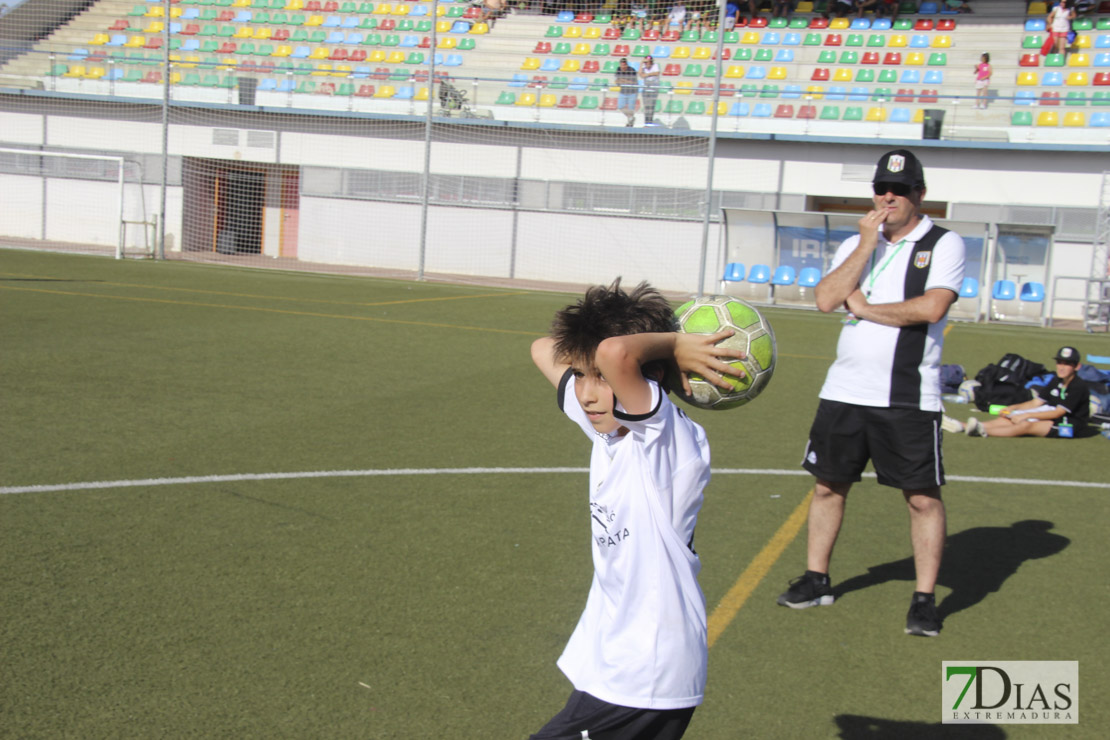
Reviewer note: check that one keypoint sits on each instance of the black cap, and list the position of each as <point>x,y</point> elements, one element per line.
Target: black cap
<point>900,166</point>
<point>1067,355</point>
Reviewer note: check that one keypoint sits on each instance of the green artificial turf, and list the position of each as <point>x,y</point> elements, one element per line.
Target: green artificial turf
<point>423,605</point>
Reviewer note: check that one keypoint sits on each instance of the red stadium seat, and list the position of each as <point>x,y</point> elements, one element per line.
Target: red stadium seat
<point>818,23</point>
<point>1050,98</point>
<point>807,111</point>
<point>905,95</point>
<point>1030,60</point>
<point>946,24</point>
<point>927,96</point>
<point>833,39</point>
<point>923,24</point>
<point>672,70</point>
<point>1102,78</point>
<point>784,110</point>
<point>892,58</point>
<point>820,74</point>
<point>870,57</point>
<point>591,66</point>
<point>542,47</point>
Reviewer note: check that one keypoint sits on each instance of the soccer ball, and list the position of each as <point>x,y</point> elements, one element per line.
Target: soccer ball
<point>710,314</point>
<point>967,390</point>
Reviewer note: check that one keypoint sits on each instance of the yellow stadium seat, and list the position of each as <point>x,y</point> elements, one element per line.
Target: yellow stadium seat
<point>898,39</point>
<point>1028,79</point>
<point>395,57</point>
<point>241,4</point>
<point>383,9</point>
<point>570,32</point>
<point>530,63</point>
<point>837,24</point>
<point>581,49</point>
<point>815,92</point>
<point>342,70</point>
<point>175,12</point>
<point>136,41</point>
<point>918,116</point>
<point>155,11</point>
<point>446,42</point>
<point>376,57</point>
<point>876,114</point>
<point>98,40</point>
<point>322,70</point>
<point>915,58</point>
<point>1048,118</point>
<point>1079,60</point>
<point>385,91</point>
<point>547,100</point>
<point>295,5</point>
<point>734,72</point>
<point>155,28</point>
<point>683,87</point>
<point>441,10</point>
<point>75,70</point>
<point>283,51</point>
<point>479,28</point>
<point>777,73</point>
<point>421,94</point>
<point>401,9</point>
<point>842,74</point>
<point>805,6</point>
<point>443,26</point>
<point>591,32</point>
<point>680,52</point>
<point>1082,41</point>
<point>942,42</point>
<point>94,73</point>
<point>527,98</point>
<point>570,65</point>
<point>243,32</point>
<point>261,33</point>
<point>702,52</point>
<point>722,108</point>
<point>315,20</point>
<point>320,52</point>
<point>1037,8</point>
<point>1077,79</point>
<point>1075,118</point>
<point>749,37</point>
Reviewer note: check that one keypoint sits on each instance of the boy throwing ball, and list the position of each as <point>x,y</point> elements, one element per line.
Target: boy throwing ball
<point>637,658</point>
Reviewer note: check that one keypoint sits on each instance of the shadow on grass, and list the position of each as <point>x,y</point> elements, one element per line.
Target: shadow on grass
<point>977,562</point>
<point>855,727</point>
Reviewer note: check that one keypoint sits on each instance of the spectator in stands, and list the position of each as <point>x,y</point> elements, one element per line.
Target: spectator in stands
<point>982,81</point>
<point>1061,410</point>
<point>840,8</point>
<point>676,17</point>
<point>782,8</point>
<point>753,8</point>
<point>887,9</point>
<point>1059,23</point>
<point>732,14</point>
<point>863,6</point>
<point>640,14</point>
<point>626,98</point>
<point>649,78</point>
<point>492,10</point>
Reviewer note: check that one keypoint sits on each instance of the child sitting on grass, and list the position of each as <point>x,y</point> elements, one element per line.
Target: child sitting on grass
<point>637,658</point>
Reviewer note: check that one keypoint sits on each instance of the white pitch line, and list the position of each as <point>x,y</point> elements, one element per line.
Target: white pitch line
<point>187,480</point>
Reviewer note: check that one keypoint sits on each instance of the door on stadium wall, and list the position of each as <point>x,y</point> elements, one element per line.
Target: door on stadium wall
<point>241,209</point>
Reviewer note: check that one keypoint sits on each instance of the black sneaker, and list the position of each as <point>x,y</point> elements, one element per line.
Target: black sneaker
<point>808,589</point>
<point>923,619</point>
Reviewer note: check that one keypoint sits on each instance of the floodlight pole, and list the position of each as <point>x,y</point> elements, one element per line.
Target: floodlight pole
<point>711,153</point>
<point>425,191</point>
<point>166,72</point>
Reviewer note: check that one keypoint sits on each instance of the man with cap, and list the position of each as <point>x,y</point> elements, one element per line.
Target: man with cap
<point>1061,408</point>
<point>881,398</point>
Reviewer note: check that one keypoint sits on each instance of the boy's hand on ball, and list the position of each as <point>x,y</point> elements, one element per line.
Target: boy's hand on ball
<point>698,354</point>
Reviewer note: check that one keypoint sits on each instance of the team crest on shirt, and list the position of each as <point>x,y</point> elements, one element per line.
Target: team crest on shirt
<point>609,534</point>
<point>921,260</point>
<point>896,163</point>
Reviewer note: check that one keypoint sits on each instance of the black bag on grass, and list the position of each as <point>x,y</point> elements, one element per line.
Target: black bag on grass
<point>1005,381</point>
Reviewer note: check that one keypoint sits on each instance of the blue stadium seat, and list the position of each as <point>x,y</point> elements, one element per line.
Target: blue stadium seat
<point>969,288</point>
<point>1004,290</point>
<point>1032,292</point>
<point>1099,120</point>
<point>900,115</point>
<point>784,275</point>
<point>809,277</point>
<point>734,273</point>
<point>759,273</point>
<point>1035,24</point>
<point>739,109</point>
<point>928,8</point>
<point>1024,97</point>
<point>910,76</point>
<point>784,55</point>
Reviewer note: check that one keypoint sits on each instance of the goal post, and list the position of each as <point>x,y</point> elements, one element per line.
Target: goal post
<point>71,201</point>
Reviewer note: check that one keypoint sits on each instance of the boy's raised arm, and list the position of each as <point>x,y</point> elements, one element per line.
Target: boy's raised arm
<point>543,354</point>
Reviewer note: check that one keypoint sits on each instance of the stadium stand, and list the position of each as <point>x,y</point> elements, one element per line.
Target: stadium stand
<point>112,46</point>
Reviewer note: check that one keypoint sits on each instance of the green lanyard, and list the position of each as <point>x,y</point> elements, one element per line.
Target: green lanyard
<point>873,275</point>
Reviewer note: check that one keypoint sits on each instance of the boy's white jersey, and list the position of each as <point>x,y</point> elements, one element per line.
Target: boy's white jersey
<point>641,640</point>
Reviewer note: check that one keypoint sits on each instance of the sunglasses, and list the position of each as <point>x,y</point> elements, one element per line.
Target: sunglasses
<point>899,189</point>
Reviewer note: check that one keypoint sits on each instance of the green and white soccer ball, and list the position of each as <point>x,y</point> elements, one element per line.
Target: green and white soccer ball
<point>711,314</point>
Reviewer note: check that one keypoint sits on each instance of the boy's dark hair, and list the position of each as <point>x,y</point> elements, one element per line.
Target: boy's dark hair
<point>610,311</point>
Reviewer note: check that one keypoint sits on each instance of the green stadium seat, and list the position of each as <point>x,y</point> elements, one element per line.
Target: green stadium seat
<point>830,113</point>
<point>1021,118</point>
<point>853,113</point>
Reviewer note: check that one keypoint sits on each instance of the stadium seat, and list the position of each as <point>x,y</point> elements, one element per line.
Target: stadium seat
<point>1049,118</point>
<point>784,275</point>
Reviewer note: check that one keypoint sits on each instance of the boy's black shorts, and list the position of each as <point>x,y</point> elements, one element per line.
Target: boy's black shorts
<point>902,444</point>
<point>587,716</point>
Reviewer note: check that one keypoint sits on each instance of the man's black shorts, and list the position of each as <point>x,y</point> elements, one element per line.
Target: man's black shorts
<point>587,716</point>
<point>902,444</point>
